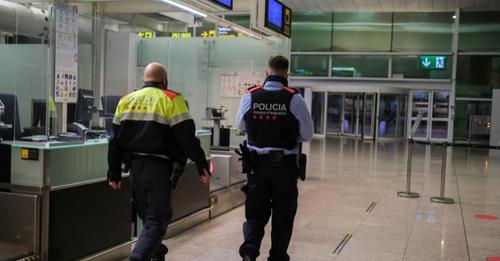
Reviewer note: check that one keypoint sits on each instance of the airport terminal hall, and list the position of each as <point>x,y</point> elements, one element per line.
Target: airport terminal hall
<point>253,130</point>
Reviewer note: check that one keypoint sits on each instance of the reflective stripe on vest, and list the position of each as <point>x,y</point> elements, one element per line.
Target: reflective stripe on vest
<point>152,104</point>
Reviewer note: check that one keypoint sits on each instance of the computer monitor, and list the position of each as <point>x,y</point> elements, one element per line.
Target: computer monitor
<point>83,110</point>
<point>10,117</point>
<point>109,104</point>
<point>38,112</point>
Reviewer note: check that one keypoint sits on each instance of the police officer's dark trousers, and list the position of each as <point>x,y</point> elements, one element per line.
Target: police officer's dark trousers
<point>151,182</point>
<point>271,190</point>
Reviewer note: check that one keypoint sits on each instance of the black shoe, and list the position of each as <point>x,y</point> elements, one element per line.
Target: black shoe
<point>160,253</point>
<point>248,258</point>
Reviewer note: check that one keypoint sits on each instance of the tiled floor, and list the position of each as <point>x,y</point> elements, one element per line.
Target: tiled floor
<point>345,177</point>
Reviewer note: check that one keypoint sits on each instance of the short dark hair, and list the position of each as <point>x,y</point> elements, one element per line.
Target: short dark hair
<point>279,64</point>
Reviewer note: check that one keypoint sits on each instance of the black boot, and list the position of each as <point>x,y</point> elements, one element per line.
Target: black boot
<point>160,253</point>
<point>248,258</point>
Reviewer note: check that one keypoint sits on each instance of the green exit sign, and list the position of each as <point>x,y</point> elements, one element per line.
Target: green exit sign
<point>432,62</point>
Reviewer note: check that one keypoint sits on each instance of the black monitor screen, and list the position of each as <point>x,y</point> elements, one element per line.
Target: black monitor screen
<point>224,3</point>
<point>84,108</point>
<point>38,113</point>
<point>109,104</point>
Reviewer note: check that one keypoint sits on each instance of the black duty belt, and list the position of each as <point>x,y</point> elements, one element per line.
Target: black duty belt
<point>159,156</point>
<point>277,155</point>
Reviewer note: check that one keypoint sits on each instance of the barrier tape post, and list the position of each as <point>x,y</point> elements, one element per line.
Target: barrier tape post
<point>442,199</point>
<point>408,193</point>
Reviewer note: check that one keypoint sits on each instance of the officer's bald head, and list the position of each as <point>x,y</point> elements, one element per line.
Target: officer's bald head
<point>155,73</point>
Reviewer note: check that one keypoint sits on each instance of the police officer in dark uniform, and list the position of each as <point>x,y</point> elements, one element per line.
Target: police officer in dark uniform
<point>276,119</point>
<point>152,128</point>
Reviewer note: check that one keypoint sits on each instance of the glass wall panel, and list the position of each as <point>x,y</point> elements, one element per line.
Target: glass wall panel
<point>312,32</point>
<point>423,32</point>
<point>440,108</point>
<point>421,130</point>
<point>368,115</point>
<point>420,103</point>
<point>439,130</point>
<point>479,31</point>
<point>362,31</point>
<point>311,65</point>
<point>317,112</point>
<point>477,76</point>
<point>334,113</point>
<point>407,67</point>
<point>388,115</point>
<point>463,111</point>
<point>243,20</point>
<point>360,66</point>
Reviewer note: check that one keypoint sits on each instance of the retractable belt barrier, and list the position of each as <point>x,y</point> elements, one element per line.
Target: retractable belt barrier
<point>408,194</point>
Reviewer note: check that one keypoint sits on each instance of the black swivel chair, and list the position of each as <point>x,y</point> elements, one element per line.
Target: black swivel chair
<point>10,117</point>
<point>109,104</point>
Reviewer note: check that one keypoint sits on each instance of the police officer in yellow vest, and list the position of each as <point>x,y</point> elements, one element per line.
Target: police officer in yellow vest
<point>152,128</point>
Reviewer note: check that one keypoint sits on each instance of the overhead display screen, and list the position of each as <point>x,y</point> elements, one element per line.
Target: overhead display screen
<point>224,3</point>
<point>275,13</point>
<point>278,17</point>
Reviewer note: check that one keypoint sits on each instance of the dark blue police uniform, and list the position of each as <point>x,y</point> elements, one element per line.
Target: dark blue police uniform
<point>152,128</point>
<point>276,120</point>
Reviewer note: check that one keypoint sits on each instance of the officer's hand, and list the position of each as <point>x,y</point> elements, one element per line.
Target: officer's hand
<point>205,177</point>
<point>115,185</point>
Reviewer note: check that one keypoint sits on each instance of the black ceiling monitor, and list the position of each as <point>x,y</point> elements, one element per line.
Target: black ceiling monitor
<point>278,17</point>
<point>224,3</point>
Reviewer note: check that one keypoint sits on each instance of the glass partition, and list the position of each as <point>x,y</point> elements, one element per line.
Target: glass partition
<point>317,112</point>
<point>477,76</point>
<point>407,67</point>
<point>463,110</point>
<point>24,50</point>
<point>362,31</point>
<point>312,32</point>
<point>423,32</point>
<point>360,66</point>
<point>314,65</point>
<point>479,31</point>
<point>197,68</point>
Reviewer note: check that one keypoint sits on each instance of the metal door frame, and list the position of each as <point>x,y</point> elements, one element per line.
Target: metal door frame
<point>430,116</point>
<point>396,91</point>
<point>373,119</point>
<point>361,98</point>
<point>341,132</point>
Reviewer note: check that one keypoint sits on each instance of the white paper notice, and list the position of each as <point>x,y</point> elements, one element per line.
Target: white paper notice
<point>66,54</point>
<point>235,84</point>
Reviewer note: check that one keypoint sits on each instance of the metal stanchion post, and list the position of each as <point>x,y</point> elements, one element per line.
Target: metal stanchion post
<point>408,193</point>
<point>442,199</point>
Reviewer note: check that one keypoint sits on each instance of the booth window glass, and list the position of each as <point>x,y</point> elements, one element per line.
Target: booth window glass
<point>407,67</point>
<point>310,65</point>
<point>362,31</point>
<point>479,31</point>
<point>312,32</point>
<point>423,32</point>
<point>360,66</point>
<point>477,76</point>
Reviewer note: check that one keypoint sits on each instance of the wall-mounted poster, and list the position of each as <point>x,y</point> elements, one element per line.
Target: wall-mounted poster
<point>66,53</point>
